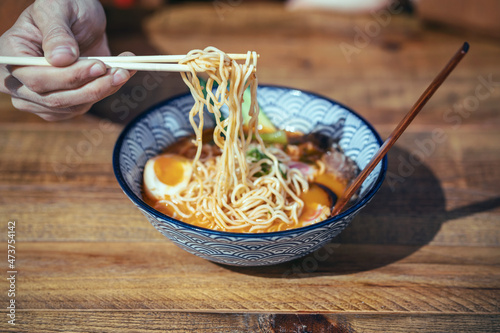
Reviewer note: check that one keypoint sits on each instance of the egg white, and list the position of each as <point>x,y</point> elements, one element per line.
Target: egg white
<point>157,190</point>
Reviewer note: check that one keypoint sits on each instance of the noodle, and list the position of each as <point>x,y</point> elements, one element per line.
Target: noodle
<point>231,191</point>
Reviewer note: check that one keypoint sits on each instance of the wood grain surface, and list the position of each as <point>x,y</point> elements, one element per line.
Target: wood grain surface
<point>423,256</point>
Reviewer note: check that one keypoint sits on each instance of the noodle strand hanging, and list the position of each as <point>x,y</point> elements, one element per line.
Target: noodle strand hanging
<point>236,183</point>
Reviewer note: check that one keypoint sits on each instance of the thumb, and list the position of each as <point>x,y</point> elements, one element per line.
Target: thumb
<point>59,45</point>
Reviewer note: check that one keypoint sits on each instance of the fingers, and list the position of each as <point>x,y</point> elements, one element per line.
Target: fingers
<point>50,114</point>
<point>58,46</point>
<point>60,30</point>
<point>119,73</point>
<point>57,93</point>
<point>47,79</point>
<point>58,42</point>
<point>64,104</point>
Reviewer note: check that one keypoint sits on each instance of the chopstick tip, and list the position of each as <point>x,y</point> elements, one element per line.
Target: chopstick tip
<point>465,47</point>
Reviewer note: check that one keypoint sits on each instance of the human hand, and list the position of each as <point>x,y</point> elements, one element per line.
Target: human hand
<point>61,31</point>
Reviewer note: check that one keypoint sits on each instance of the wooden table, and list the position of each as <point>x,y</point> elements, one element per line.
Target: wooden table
<point>424,255</point>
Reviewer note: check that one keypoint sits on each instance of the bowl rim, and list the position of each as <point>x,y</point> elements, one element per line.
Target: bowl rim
<point>336,219</point>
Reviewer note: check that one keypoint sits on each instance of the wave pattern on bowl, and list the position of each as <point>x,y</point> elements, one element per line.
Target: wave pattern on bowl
<point>288,109</point>
<point>234,250</point>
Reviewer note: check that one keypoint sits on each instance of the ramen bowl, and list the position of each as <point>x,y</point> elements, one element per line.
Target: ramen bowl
<point>290,109</point>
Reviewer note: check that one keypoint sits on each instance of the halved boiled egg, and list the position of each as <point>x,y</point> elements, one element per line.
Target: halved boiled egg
<point>317,202</point>
<point>165,175</point>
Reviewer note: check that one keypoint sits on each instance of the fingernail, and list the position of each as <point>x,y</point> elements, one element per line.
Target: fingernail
<point>120,77</point>
<point>97,70</point>
<point>63,49</point>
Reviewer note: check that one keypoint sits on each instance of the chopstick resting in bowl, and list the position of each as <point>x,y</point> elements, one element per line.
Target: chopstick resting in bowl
<point>163,63</point>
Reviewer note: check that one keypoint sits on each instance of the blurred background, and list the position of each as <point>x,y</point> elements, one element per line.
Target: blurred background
<point>480,16</point>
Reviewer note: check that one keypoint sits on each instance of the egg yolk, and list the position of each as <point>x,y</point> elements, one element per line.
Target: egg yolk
<point>169,170</point>
<point>314,199</point>
<point>332,182</point>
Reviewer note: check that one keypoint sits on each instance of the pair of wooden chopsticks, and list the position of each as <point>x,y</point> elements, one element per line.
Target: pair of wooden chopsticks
<point>164,63</point>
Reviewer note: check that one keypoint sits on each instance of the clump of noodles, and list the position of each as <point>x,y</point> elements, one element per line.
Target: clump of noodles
<point>230,192</point>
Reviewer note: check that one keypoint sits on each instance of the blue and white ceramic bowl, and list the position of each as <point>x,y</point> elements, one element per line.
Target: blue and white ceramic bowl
<point>289,109</point>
